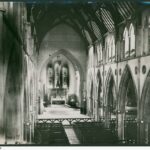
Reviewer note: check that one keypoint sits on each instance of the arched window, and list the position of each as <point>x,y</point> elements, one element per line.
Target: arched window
<point>50,72</point>
<point>101,52</point>
<point>98,54</point>
<point>111,49</point>
<point>107,50</point>
<point>65,76</point>
<point>126,42</point>
<point>132,40</point>
<point>146,34</point>
<point>114,48</point>
<point>91,55</point>
<point>57,70</point>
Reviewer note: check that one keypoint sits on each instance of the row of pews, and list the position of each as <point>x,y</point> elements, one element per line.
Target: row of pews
<point>95,133</point>
<point>50,134</point>
<point>88,133</point>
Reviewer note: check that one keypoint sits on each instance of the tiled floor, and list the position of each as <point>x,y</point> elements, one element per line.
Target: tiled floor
<point>61,111</point>
<point>71,135</point>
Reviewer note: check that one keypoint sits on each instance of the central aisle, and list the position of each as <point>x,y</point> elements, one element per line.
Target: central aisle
<point>61,111</point>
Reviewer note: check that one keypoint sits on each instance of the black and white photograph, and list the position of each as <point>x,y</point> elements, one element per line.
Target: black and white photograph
<point>75,73</point>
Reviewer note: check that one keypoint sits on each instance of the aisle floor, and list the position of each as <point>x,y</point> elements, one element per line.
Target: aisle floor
<point>72,137</point>
<point>61,111</point>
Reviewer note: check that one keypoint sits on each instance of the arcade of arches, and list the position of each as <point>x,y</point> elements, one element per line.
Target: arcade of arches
<point>92,58</point>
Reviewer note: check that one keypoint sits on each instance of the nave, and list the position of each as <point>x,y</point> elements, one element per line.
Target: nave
<point>75,72</point>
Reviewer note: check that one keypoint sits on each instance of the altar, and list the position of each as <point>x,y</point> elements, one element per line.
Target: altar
<point>58,100</point>
<point>58,96</point>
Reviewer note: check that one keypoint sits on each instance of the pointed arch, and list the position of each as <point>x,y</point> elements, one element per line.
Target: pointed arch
<point>113,47</point>
<point>132,38</point>
<point>127,103</point>
<point>108,79</point>
<point>110,93</point>
<point>127,90</point>
<point>99,53</point>
<point>68,55</point>
<point>99,79</point>
<point>145,111</point>
<point>75,63</point>
<point>145,100</point>
<point>126,42</point>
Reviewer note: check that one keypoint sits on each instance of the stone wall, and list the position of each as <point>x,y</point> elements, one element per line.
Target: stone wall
<point>15,121</point>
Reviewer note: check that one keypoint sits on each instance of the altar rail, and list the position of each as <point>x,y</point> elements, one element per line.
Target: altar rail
<point>67,121</point>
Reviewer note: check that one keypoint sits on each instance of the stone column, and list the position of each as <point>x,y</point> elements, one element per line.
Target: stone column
<point>13,97</point>
<point>95,107</point>
<point>2,137</point>
<point>121,126</point>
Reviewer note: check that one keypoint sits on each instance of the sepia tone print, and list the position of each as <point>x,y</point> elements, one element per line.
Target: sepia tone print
<point>75,73</point>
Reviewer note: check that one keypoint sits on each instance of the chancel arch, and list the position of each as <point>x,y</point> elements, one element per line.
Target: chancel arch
<point>62,71</point>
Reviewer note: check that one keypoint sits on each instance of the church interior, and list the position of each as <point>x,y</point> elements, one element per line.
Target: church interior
<point>75,72</point>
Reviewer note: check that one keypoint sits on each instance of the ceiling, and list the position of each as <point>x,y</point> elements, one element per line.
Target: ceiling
<point>90,19</point>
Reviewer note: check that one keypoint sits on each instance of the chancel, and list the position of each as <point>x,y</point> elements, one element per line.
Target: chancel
<point>57,81</point>
<point>75,72</point>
